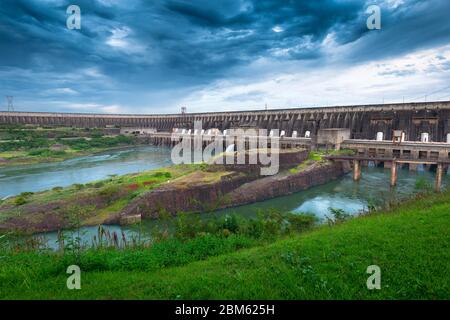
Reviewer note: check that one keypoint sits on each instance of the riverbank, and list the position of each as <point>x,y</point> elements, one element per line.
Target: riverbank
<point>98,202</point>
<point>34,145</point>
<point>22,158</point>
<point>409,243</point>
<point>208,191</point>
<point>38,156</point>
<point>173,190</point>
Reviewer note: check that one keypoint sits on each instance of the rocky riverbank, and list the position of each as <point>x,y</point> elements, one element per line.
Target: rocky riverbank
<point>191,194</point>
<point>185,188</point>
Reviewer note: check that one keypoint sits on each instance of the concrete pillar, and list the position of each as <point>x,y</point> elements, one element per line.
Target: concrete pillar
<point>356,170</point>
<point>438,181</point>
<point>393,174</point>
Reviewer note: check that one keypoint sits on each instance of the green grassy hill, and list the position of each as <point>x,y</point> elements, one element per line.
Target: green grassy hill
<point>410,243</point>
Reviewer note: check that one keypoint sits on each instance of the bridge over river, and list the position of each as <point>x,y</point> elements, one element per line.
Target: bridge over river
<point>391,155</point>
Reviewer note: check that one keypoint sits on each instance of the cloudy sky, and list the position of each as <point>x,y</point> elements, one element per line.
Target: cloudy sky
<point>154,56</point>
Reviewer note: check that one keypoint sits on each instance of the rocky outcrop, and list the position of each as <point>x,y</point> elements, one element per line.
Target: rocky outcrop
<point>287,158</point>
<point>231,190</point>
<point>196,197</point>
<point>284,184</point>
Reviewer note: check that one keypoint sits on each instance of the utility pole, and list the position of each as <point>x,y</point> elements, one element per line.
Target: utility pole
<point>10,99</point>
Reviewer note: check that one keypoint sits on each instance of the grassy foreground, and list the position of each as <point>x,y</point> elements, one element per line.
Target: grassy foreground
<point>410,243</point>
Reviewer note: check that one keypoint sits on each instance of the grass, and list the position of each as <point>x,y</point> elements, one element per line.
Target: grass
<point>410,243</point>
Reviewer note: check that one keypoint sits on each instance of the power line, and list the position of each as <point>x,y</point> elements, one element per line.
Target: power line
<point>447,96</point>
<point>430,94</point>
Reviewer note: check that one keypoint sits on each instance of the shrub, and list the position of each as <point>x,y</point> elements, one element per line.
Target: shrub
<point>294,170</point>
<point>226,233</point>
<point>99,142</point>
<point>37,152</point>
<point>230,223</point>
<point>46,153</point>
<point>58,153</point>
<point>266,225</point>
<point>20,201</point>
<point>315,156</point>
<point>98,185</point>
<point>162,174</point>
<point>57,189</point>
<point>109,192</point>
<point>78,186</point>
<point>339,216</point>
<point>300,222</point>
<point>187,226</point>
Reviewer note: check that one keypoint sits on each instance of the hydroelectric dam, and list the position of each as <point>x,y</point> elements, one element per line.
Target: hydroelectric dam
<point>364,121</point>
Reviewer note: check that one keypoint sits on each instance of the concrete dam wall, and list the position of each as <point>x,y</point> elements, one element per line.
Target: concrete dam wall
<point>365,121</point>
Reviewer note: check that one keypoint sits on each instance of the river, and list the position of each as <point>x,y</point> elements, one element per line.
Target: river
<point>344,193</point>
<point>39,177</point>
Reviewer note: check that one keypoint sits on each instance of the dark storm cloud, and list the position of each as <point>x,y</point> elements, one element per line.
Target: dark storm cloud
<point>194,39</point>
<point>416,24</point>
<point>128,51</point>
<point>31,29</point>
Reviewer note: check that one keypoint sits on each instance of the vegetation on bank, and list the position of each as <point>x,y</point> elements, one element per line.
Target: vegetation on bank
<point>409,242</point>
<point>319,157</point>
<point>83,204</point>
<point>104,201</point>
<point>27,145</point>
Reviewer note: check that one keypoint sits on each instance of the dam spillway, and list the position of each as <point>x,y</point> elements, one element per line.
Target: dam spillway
<point>364,121</point>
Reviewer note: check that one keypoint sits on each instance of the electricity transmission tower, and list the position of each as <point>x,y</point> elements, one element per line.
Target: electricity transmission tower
<point>10,99</point>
